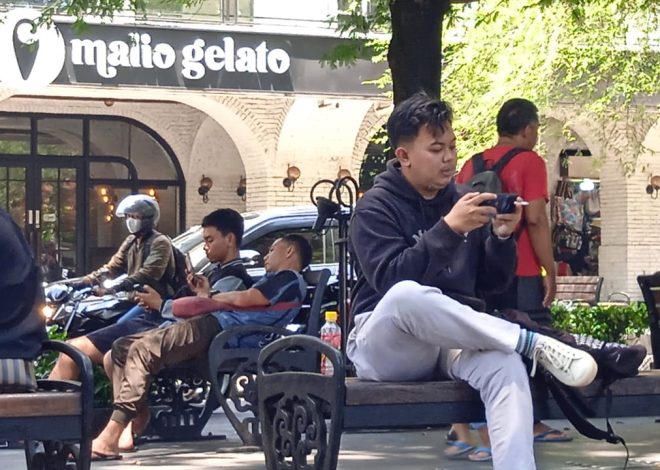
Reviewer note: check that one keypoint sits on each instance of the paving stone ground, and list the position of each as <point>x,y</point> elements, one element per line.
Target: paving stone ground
<point>401,450</point>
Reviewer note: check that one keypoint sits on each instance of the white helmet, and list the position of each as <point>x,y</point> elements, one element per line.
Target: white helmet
<point>141,204</point>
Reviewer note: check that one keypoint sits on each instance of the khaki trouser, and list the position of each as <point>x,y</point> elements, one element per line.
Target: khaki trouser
<point>138,358</point>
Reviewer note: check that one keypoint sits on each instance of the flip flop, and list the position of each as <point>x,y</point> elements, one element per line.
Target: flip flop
<point>461,450</point>
<point>560,436</point>
<point>101,457</point>
<point>486,457</point>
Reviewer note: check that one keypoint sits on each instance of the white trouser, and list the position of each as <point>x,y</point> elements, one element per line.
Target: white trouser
<point>416,331</point>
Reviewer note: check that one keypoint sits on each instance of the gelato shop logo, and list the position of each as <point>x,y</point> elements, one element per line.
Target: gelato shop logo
<point>140,52</point>
<point>35,57</point>
<point>30,57</point>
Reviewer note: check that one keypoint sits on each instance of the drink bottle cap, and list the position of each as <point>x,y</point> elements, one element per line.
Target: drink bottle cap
<point>331,315</point>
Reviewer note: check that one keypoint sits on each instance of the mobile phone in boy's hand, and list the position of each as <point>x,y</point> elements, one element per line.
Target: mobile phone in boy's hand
<point>189,266</point>
<point>505,203</point>
<point>139,288</point>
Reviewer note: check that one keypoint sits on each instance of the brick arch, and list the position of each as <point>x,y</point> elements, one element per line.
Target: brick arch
<point>652,138</point>
<point>253,123</point>
<point>375,118</point>
<point>318,135</point>
<point>553,141</point>
<point>583,127</point>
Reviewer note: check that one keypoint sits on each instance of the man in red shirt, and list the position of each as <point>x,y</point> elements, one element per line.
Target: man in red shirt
<point>525,175</point>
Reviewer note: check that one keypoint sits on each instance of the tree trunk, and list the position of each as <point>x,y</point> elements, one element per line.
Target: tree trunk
<point>414,54</point>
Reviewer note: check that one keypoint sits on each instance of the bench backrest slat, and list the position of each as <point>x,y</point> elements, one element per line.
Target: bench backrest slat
<point>579,288</point>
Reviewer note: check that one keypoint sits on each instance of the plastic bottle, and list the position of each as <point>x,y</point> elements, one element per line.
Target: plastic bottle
<point>331,334</point>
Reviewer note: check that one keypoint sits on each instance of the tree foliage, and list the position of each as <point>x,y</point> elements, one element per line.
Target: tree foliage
<point>603,61</point>
<point>601,56</point>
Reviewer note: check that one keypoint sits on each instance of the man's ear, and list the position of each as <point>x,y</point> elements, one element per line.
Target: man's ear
<point>401,153</point>
<point>231,238</point>
<point>290,251</point>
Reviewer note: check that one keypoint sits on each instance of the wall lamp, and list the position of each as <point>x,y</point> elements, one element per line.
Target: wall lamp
<point>241,189</point>
<point>653,187</point>
<point>205,185</point>
<point>292,175</point>
<point>343,173</point>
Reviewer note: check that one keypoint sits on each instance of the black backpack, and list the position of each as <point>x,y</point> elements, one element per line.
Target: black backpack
<point>612,366</point>
<point>487,180</point>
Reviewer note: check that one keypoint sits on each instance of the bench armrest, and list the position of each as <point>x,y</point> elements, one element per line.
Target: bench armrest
<point>86,380</point>
<point>625,295</point>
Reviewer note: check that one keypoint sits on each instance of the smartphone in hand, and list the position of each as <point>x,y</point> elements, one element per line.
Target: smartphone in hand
<point>505,203</point>
<point>189,266</point>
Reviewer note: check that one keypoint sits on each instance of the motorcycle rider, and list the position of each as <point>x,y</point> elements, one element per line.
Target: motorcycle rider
<point>146,257</point>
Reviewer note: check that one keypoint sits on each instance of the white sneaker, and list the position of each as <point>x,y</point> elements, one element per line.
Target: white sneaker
<point>574,367</point>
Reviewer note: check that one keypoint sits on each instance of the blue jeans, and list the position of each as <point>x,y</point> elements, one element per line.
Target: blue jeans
<point>135,320</point>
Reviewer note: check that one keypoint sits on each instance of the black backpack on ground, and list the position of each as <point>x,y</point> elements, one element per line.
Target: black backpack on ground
<point>613,363</point>
<point>487,180</point>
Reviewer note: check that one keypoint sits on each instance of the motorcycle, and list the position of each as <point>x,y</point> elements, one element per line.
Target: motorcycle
<point>78,312</point>
<point>181,401</point>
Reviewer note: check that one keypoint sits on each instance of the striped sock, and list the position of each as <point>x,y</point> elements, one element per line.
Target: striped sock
<point>526,342</point>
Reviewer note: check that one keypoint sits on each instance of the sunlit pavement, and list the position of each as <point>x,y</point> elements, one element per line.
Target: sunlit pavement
<point>414,450</point>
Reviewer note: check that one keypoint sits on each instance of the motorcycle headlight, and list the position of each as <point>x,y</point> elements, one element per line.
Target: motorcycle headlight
<point>47,311</point>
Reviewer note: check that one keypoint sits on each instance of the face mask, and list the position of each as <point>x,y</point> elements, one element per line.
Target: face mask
<point>133,225</point>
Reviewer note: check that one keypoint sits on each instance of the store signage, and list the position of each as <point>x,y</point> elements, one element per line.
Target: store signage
<point>147,56</point>
<point>29,59</point>
<point>196,58</point>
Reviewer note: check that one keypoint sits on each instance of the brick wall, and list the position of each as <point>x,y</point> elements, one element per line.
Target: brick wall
<point>227,135</point>
<point>629,245</point>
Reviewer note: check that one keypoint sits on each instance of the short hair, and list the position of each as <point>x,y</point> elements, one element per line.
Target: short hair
<point>226,221</point>
<point>515,115</point>
<point>302,247</point>
<point>411,115</point>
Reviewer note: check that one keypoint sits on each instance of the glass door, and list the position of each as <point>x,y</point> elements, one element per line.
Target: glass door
<point>57,221</point>
<point>13,191</point>
<point>44,201</point>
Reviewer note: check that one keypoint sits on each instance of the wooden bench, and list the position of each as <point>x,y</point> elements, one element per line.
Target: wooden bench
<point>303,414</point>
<point>579,288</point>
<point>650,286</point>
<point>179,412</point>
<point>59,415</point>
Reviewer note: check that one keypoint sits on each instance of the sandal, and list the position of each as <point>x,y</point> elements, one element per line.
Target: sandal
<point>481,454</point>
<point>101,457</point>
<point>451,436</point>
<point>458,450</point>
<point>547,436</point>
